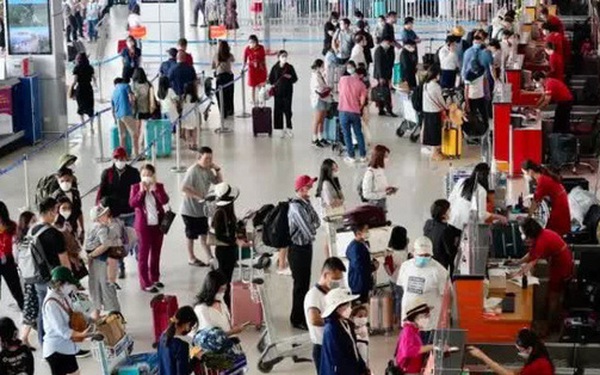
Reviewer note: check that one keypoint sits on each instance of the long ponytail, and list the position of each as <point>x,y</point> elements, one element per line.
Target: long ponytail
<point>185,315</point>
<point>529,165</point>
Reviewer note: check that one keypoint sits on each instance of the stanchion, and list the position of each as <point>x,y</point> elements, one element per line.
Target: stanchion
<point>26,172</point>
<point>178,168</point>
<point>244,114</point>
<point>67,145</point>
<point>100,94</point>
<point>102,158</point>
<point>222,129</point>
<point>153,151</point>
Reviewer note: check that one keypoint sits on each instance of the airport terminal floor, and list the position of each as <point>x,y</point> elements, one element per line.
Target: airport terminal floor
<point>263,168</point>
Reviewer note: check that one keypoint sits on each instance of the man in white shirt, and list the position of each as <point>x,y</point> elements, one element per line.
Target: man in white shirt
<point>423,277</point>
<point>332,276</point>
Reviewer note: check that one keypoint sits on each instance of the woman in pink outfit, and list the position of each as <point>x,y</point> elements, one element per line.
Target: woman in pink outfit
<point>410,349</point>
<point>148,198</point>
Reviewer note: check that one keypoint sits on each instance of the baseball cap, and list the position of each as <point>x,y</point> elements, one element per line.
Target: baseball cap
<point>63,274</point>
<point>304,181</point>
<point>119,153</point>
<point>423,245</point>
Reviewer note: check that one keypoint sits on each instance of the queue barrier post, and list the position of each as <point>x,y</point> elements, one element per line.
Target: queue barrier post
<point>178,168</point>
<point>153,151</point>
<point>26,175</point>
<point>100,92</point>
<point>244,114</point>
<point>102,158</point>
<point>222,129</point>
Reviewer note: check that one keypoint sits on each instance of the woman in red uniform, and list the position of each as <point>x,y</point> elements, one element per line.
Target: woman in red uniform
<point>546,244</point>
<point>548,185</point>
<point>530,348</point>
<point>551,35</point>
<point>255,61</point>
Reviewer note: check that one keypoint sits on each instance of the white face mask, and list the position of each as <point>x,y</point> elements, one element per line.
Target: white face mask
<point>65,186</point>
<point>523,355</point>
<point>422,322</point>
<point>65,213</point>
<point>350,70</point>
<point>334,284</point>
<point>220,296</point>
<point>147,180</point>
<point>120,164</point>
<point>346,313</point>
<point>67,289</point>
<point>361,322</point>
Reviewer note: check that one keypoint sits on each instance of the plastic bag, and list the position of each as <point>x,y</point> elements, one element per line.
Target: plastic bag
<point>580,202</point>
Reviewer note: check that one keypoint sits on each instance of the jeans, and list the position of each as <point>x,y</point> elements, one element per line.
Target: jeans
<point>316,354</point>
<point>92,31</point>
<point>41,290</point>
<point>351,122</point>
<point>300,260</point>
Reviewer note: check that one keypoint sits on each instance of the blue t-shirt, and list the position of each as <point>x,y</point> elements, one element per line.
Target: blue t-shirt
<point>406,35</point>
<point>180,75</point>
<point>120,101</point>
<point>483,55</point>
<point>173,356</point>
<point>359,272</point>
<point>166,66</point>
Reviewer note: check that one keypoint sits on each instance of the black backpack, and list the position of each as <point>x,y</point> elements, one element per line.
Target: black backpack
<point>260,215</point>
<point>45,187</point>
<point>475,67</point>
<point>417,98</point>
<point>276,228</point>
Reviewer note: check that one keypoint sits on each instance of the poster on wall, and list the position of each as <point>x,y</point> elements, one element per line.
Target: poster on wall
<point>6,124</point>
<point>28,24</point>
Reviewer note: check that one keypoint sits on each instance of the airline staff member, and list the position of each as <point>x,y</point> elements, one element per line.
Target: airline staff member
<point>556,92</point>
<point>553,20</point>
<point>530,348</point>
<point>547,244</point>
<point>555,61</point>
<point>549,185</point>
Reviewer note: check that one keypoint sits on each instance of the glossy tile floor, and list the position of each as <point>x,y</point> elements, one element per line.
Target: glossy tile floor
<point>263,168</point>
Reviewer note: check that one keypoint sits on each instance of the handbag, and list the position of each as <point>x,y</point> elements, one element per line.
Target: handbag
<point>325,93</point>
<point>79,269</point>
<point>77,321</point>
<point>167,221</point>
<point>271,91</point>
<point>392,369</point>
<point>116,252</point>
<point>71,92</point>
<point>380,94</point>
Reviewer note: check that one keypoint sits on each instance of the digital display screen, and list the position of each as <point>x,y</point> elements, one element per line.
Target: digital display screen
<point>28,24</point>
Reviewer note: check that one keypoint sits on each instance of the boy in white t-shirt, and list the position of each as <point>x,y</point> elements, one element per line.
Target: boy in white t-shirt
<point>332,276</point>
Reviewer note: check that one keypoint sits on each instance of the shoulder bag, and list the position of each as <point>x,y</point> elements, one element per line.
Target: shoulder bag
<point>167,220</point>
<point>77,321</point>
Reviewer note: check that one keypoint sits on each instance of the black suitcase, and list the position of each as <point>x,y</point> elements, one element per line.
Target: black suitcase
<point>571,183</point>
<point>562,150</point>
<point>262,121</point>
<point>507,241</point>
<point>71,52</point>
<point>591,220</point>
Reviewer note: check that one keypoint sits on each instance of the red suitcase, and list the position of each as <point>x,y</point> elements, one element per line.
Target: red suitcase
<point>121,45</point>
<point>262,121</point>
<point>373,216</point>
<point>163,308</point>
<point>246,305</point>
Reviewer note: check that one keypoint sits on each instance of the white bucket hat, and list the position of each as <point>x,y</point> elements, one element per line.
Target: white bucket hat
<point>97,212</point>
<point>335,298</point>
<point>225,194</point>
<point>423,245</point>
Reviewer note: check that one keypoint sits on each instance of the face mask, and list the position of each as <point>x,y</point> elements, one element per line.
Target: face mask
<point>361,322</point>
<point>335,284</point>
<point>148,180</point>
<point>220,296</point>
<point>422,261</point>
<point>65,213</point>
<point>381,23</point>
<point>385,45</point>
<point>335,22</point>
<point>67,289</point>
<point>252,45</point>
<point>346,313</point>
<point>367,235</point>
<point>422,322</point>
<point>350,70</point>
<point>523,355</point>
<point>120,164</point>
<point>283,60</point>
<point>65,186</point>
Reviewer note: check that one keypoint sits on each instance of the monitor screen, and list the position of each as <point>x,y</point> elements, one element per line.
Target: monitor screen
<point>28,24</point>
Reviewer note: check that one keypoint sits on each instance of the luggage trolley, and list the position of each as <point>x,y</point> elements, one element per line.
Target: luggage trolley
<point>119,356</point>
<point>275,349</point>
<point>410,122</point>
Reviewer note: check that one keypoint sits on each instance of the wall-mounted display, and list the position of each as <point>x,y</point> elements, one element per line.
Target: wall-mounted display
<point>28,25</point>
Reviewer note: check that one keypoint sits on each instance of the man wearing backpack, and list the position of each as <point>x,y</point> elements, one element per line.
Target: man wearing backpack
<point>303,222</point>
<point>477,57</point>
<point>115,185</point>
<point>48,241</point>
<point>49,184</point>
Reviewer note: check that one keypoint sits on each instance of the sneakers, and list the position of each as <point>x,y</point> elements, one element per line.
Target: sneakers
<point>116,286</point>
<point>197,263</point>
<point>349,160</point>
<point>83,353</point>
<point>318,143</point>
<point>151,289</point>
<point>285,272</point>
<point>122,273</point>
<point>362,160</point>
<point>289,133</point>
<point>324,142</point>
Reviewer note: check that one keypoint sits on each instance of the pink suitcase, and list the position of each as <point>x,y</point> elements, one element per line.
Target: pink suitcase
<point>164,308</point>
<point>246,305</point>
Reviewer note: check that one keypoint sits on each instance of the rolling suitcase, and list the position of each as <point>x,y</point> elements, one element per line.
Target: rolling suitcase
<point>161,132</point>
<point>373,216</point>
<point>262,121</point>
<point>562,150</point>
<point>246,305</point>
<point>381,311</point>
<point>163,308</point>
<point>396,76</point>
<point>451,142</point>
<point>142,363</point>
<point>115,141</point>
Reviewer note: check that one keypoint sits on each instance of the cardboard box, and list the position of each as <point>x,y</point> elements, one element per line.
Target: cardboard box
<point>111,327</point>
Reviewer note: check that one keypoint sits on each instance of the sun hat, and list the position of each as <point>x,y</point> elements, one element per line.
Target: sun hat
<point>335,298</point>
<point>458,30</point>
<point>66,160</point>
<point>417,306</point>
<point>304,181</point>
<point>225,194</point>
<point>97,212</point>
<point>423,245</point>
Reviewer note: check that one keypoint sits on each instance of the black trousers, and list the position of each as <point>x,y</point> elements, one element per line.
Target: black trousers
<point>9,273</point>
<point>562,117</point>
<point>300,260</point>
<point>316,354</point>
<point>387,104</point>
<point>228,92</point>
<point>227,257</point>
<point>283,106</point>
<point>479,106</point>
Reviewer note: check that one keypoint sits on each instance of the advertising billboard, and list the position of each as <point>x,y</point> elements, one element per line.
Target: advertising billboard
<point>28,25</point>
